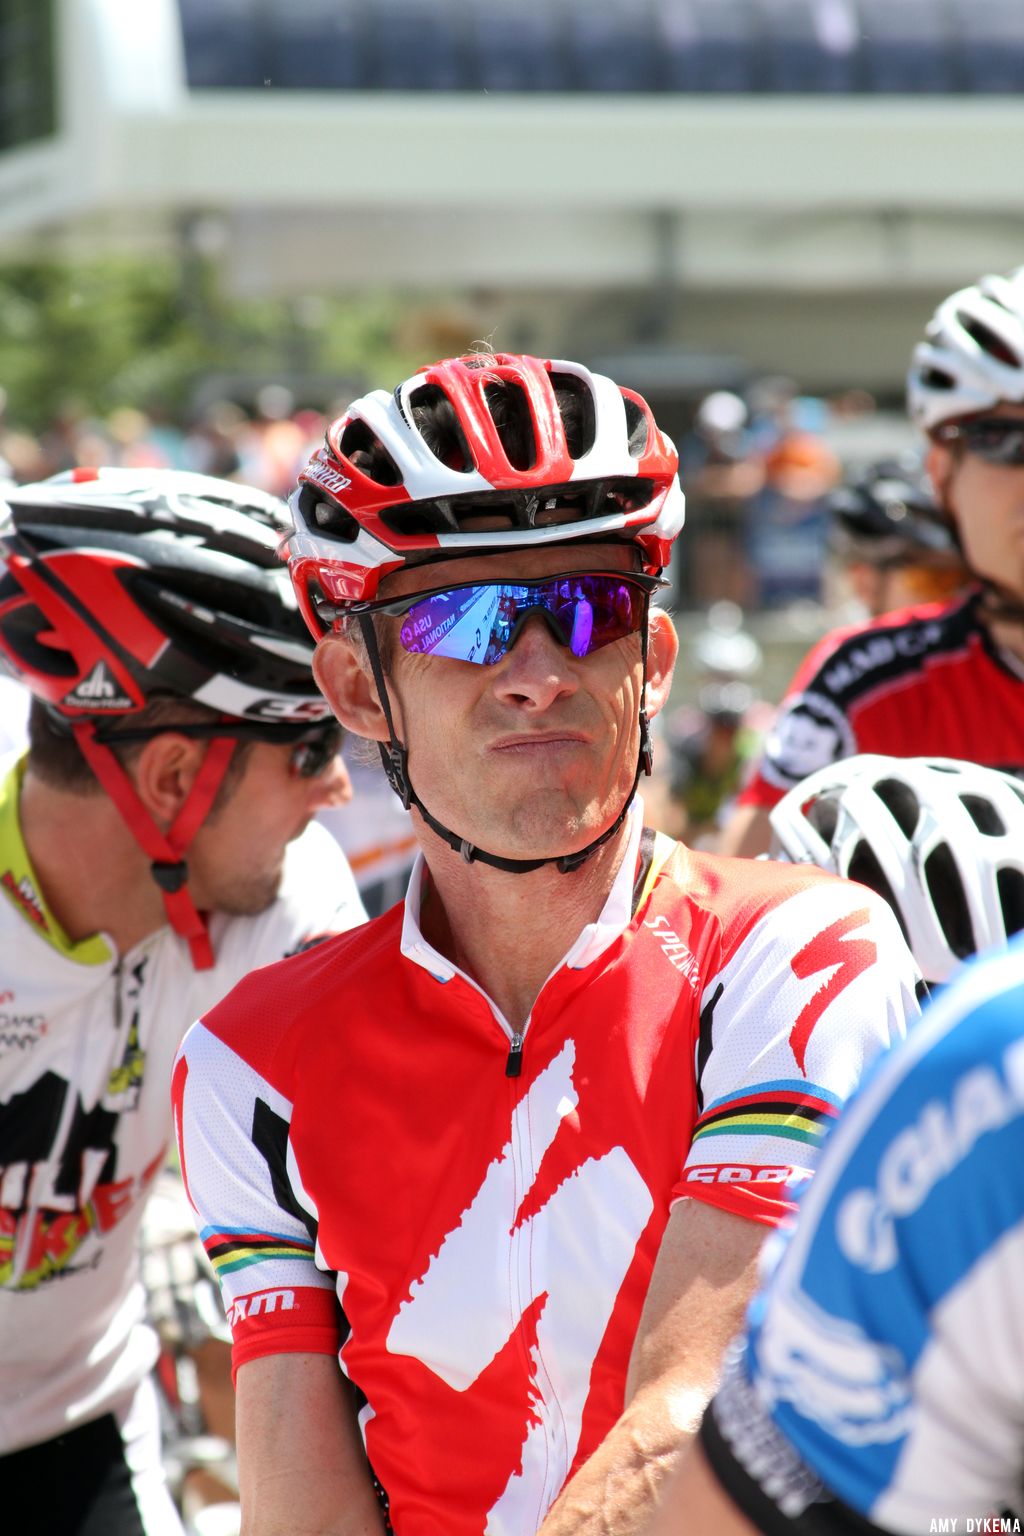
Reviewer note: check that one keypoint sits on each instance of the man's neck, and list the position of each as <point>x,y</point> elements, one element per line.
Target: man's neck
<point>509,932</point>
<point>92,875</point>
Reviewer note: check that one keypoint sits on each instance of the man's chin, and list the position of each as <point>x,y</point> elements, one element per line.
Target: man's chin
<point>249,898</point>
<point>549,827</point>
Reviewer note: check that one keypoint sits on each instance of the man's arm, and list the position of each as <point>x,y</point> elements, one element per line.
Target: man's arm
<point>703,1277</point>
<point>747,833</point>
<point>302,1470</point>
<point>696,1504</point>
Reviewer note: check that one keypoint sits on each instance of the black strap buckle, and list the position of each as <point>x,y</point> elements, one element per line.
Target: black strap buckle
<point>396,767</point>
<point>169,877</point>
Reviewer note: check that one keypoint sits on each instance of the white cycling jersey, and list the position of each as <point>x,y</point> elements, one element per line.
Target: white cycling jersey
<point>87,1039</point>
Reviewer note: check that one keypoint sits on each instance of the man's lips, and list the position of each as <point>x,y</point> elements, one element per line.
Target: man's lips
<point>531,741</point>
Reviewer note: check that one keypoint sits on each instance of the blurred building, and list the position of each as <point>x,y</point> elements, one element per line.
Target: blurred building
<point>697,189</point>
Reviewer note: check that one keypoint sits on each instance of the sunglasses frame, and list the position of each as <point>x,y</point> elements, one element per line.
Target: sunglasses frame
<point>304,740</point>
<point>969,433</point>
<point>399,607</point>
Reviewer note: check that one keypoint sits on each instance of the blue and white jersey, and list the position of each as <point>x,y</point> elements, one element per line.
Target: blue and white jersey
<point>882,1371</point>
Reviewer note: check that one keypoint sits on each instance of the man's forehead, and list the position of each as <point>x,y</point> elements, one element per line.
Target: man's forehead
<point>512,565</point>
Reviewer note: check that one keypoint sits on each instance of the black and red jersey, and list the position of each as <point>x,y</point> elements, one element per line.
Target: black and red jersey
<point>922,682</point>
<point>381,1165</point>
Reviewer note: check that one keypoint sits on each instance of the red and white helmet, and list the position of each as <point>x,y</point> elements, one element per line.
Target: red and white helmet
<point>473,455</point>
<point>972,356</point>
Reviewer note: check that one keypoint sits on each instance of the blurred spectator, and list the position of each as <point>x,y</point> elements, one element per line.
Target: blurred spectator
<point>719,475</point>
<point>788,519</point>
<point>272,445</point>
<point>709,749</point>
<point>211,443</point>
<point>705,749</point>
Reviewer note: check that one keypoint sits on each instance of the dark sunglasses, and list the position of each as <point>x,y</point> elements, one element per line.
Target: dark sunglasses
<point>480,621</point>
<point>997,439</point>
<point>314,747</point>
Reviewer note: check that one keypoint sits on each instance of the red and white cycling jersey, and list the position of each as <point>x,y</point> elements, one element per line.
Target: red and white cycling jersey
<point>923,681</point>
<point>350,1134</point>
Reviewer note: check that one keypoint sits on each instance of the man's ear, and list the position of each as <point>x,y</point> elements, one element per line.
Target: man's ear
<point>164,772</point>
<point>344,678</point>
<point>662,650</point>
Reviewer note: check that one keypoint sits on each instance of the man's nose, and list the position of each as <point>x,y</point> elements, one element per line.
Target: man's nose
<point>537,669</point>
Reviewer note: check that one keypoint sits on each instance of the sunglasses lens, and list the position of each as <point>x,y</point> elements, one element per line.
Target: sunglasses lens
<point>480,622</point>
<point>457,624</point>
<point>313,757</point>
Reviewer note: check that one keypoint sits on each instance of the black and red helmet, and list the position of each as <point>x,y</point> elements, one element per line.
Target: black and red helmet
<point>474,455</point>
<point>887,515</point>
<point>117,584</point>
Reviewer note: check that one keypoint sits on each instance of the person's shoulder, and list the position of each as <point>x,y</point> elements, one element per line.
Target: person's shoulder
<point>851,666</point>
<point>726,882</point>
<point>979,1017</point>
<point>323,964</point>
<point>318,980</point>
<point>930,623</point>
<point>775,901</point>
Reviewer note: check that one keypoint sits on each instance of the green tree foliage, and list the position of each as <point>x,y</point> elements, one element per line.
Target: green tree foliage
<point>120,331</point>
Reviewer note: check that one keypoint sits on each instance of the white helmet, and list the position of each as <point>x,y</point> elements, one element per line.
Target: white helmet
<point>972,356</point>
<point>942,841</point>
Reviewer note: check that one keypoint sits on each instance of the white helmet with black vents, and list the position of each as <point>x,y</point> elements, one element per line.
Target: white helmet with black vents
<point>941,840</point>
<point>972,356</point>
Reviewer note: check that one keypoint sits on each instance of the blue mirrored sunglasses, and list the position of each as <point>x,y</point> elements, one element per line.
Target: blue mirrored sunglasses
<point>480,621</point>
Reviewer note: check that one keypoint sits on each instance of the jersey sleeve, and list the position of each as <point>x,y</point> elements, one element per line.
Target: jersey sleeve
<point>883,1366</point>
<point>809,990</point>
<point>811,730</point>
<point>258,1228</point>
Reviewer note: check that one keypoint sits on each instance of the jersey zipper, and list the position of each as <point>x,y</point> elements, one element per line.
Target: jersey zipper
<point>514,1064</point>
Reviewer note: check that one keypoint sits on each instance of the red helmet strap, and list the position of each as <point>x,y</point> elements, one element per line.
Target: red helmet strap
<point>165,849</point>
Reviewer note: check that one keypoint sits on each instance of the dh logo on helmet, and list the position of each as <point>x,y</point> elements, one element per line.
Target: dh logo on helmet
<point>98,691</point>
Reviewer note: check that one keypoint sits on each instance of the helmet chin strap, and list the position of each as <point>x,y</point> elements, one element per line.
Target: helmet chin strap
<point>395,757</point>
<point>165,850</point>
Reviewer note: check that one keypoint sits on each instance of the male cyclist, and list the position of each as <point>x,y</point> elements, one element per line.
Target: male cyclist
<point>459,1149</point>
<point>942,678</point>
<point>177,747</point>
<point>878,1384</point>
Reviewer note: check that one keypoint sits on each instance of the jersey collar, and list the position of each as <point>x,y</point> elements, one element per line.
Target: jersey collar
<point>20,886</point>
<point>595,938</point>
